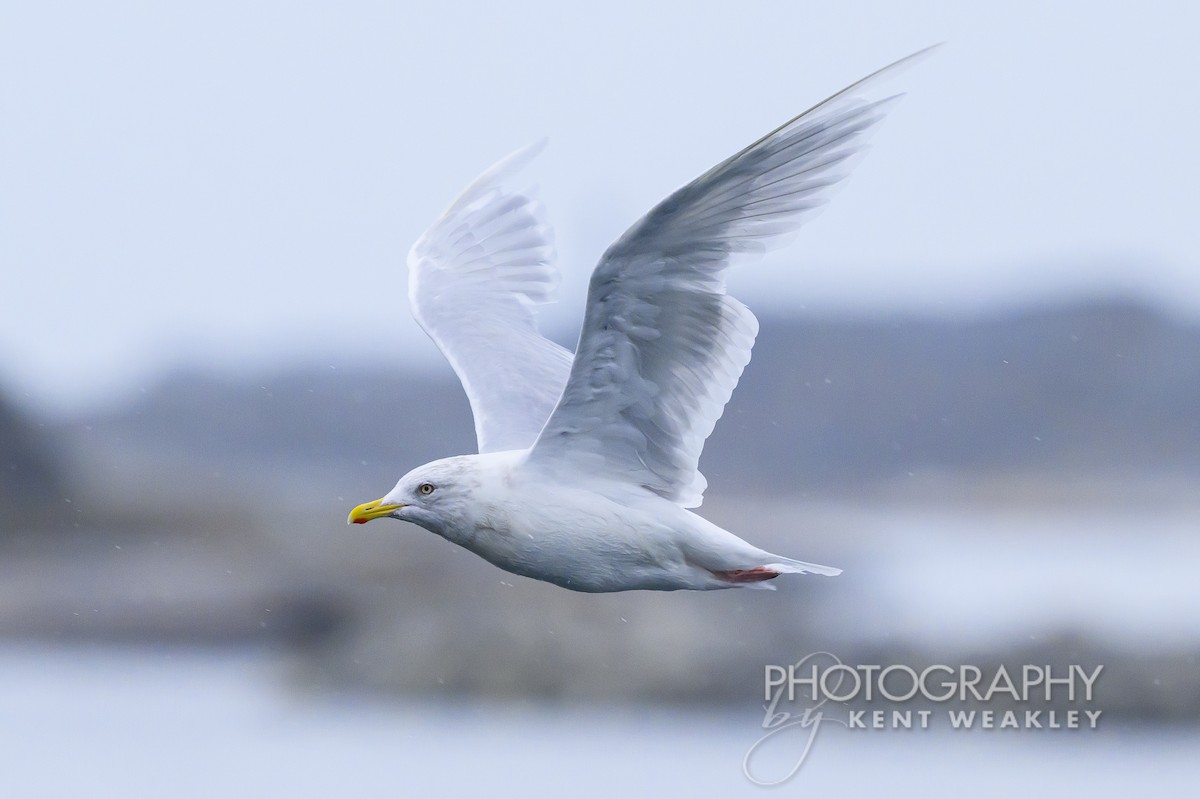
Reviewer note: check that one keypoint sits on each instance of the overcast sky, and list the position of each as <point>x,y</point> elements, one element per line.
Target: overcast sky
<point>237,184</point>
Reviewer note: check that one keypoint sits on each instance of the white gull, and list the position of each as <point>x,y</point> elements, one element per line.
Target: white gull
<point>587,464</point>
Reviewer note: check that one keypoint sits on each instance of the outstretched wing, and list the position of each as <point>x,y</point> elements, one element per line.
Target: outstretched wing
<point>663,345</point>
<point>476,279</point>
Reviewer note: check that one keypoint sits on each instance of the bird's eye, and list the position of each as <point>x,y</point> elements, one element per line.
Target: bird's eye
<point>425,488</point>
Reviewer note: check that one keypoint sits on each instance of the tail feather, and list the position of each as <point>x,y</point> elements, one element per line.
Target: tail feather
<point>789,566</point>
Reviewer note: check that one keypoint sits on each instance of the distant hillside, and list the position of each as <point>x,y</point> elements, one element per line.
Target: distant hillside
<point>825,402</point>
<point>29,473</point>
<point>1112,387</point>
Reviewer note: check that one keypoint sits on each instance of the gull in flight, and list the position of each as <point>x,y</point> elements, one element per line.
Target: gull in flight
<point>587,463</point>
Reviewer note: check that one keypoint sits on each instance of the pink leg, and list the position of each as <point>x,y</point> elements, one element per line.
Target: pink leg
<point>755,575</point>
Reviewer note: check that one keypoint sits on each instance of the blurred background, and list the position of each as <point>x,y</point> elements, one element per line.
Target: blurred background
<point>977,390</point>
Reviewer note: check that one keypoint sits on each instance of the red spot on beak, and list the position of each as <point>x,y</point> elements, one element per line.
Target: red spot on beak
<point>361,521</point>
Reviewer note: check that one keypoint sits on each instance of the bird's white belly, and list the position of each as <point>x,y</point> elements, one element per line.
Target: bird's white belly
<point>588,544</point>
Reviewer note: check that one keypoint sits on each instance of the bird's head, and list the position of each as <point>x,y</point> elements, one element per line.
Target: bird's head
<point>431,496</point>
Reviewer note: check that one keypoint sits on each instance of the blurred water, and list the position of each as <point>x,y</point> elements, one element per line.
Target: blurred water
<point>141,722</point>
<point>964,577</point>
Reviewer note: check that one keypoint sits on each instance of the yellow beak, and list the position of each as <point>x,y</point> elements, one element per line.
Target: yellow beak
<point>370,510</point>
